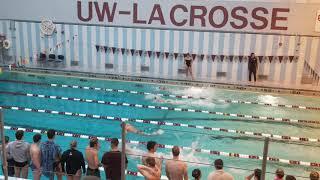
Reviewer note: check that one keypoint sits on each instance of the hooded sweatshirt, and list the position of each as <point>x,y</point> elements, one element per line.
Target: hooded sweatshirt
<point>19,150</point>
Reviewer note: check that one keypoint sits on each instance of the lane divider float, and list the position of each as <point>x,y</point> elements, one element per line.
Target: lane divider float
<point>162,123</point>
<point>166,95</point>
<point>264,118</point>
<point>165,146</point>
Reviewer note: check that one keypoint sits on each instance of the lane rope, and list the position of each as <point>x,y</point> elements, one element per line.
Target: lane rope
<point>163,123</point>
<point>264,118</point>
<point>167,95</point>
<point>165,146</point>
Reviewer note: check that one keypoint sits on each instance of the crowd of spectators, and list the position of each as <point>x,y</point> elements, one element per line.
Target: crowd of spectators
<point>47,159</point>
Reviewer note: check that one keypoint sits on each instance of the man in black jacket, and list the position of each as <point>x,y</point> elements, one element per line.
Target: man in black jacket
<point>74,162</point>
<point>253,66</point>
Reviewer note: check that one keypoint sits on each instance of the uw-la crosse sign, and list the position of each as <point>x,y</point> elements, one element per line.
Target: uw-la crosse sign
<point>213,16</point>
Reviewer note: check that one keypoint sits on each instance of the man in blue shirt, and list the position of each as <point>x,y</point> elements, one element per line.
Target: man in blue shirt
<point>50,157</point>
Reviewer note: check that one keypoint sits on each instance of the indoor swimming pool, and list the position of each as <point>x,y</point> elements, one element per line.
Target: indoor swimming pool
<point>200,108</point>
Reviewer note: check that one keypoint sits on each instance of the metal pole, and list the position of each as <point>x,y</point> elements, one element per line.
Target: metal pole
<point>265,155</point>
<point>123,152</point>
<point>4,152</point>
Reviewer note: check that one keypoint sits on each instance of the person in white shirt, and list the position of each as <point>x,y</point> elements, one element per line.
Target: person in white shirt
<point>219,174</point>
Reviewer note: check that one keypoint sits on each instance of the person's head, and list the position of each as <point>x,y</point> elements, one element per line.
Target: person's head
<point>196,173</point>
<point>114,143</point>
<point>51,133</point>
<point>19,134</point>
<point>218,164</point>
<point>175,151</point>
<point>289,177</point>
<point>94,143</point>
<point>279,173</point>
<point>151,162</point>
<point>257,174</point>
<point>6,139</point>
<point>152,146</point>
<point>314,175</point>
<point>36,138</point>
<point>73,144</point>
<point>252,55</point>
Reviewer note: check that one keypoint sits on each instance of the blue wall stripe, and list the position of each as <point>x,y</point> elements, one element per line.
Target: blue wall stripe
<point>63,39</point>
<point>220,51</point>
<point>115,44</point>
<point>133,58</point>
<point>37,29</point>
<point>210,51</point>
<point>71,31</point>
<point>200,51</point>
<point>89,45</point>
<point>231,51</point>
<point>171,49</point>
<point>181,43</point>
<point>99,52</point>
<point>283,69</point>
<point>30,45</point>
<point>152,45</point>
<point>263,47</point>
<point>162,59</point>
<point>124,56</point>
<point>273,52</point>
<point>80,45</point>
<point>242,45</point>
<point>22,50</point>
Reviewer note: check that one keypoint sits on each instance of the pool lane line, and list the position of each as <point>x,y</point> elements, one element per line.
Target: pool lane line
<point>162,123</point>
<point>270,119</point>
<point>165,95</point>
<point>165,146</point>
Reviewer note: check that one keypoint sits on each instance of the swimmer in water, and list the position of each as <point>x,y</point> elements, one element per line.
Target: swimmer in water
<point>162,88</point>
<point>159,100</point>
<point>131,129</point>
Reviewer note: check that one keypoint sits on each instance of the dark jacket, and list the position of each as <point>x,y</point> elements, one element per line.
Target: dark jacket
<point>252,64</point>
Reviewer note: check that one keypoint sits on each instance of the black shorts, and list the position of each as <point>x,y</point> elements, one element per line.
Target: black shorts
<point>20,164</point>
<point>188,63</point>
<point>93,172</point>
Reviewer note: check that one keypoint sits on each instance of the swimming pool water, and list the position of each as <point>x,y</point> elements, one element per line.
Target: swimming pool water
<point>171,135</point>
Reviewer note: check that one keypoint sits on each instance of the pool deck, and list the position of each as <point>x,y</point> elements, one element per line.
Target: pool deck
<point>268,87</point>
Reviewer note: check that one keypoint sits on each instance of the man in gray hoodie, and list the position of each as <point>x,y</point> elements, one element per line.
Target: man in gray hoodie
<point>19,150</point>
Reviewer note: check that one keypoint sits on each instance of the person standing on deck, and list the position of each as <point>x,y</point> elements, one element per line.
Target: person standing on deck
<point>253,67</point>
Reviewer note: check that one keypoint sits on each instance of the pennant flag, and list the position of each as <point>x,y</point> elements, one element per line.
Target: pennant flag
<point>132,52</point>
<point>270,58</point>
<point>291,58</point>
<point>113,50</point>
<point>175,55</point>
<point>123,50</point>
<point>231,58</point>
<point>194,56</point>
<point>158,54</point>
<point>280,58</point>
<point>166,54</point>
<point>105,49</point>
<point>97,47</point>
<point>221,58</point>
<point>213,57</point>
<point>149,53</point>
<point>260,58</point>
<point>140,52</point>
<point>185,55</point>
<point>202,56</point>
<point>240,58</point>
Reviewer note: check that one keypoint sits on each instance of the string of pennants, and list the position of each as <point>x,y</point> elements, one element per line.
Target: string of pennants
<point>114,50</point>
<point>312,72</point>
<point>60,44</point>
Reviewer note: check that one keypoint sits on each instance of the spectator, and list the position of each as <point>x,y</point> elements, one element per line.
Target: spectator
<point>112,161</point>
<point>35,155</point>
<point>19,150</point>
<point>10,161</point>
<point>74,161</point>
<point>152,148</point>
<point>176,169</point>
<point>150,171</point>
<point>256,175</point>
<point>188,60</point>
<point>314,175</point>
<point>219,174</point>
<point>196,173</point>
<point>253,66</point>
<point>92,158</point>
<point>279,174</point>
<point>289,177</point>
<point>50,157</point>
